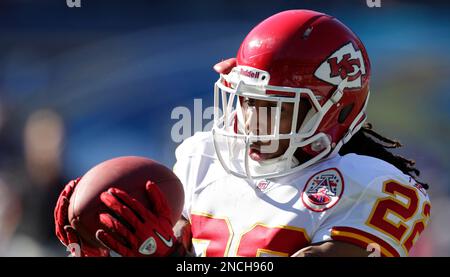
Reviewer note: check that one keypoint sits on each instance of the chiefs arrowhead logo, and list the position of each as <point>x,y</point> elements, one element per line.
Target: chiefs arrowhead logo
<point>346,62</point>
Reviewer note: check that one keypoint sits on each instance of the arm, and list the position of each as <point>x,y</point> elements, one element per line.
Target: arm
<point>332,249</point>
<point>371,222</point>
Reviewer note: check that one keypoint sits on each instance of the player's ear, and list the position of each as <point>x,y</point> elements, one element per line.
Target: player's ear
<point>224,67</point>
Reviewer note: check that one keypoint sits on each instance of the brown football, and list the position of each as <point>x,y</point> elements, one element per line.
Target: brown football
<point>129,174</point>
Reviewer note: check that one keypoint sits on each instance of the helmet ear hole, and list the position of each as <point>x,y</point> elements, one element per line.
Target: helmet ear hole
<point>345,112</point>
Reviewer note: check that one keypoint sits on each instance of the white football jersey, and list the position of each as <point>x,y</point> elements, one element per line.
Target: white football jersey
<point>356,199</point>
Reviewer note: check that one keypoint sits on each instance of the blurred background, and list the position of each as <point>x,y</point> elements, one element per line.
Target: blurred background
<point>82,85</point>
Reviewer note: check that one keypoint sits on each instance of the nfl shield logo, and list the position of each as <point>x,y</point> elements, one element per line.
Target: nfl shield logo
<point>323,190</point>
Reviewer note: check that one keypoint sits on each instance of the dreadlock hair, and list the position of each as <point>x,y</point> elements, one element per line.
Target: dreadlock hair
<point>369,143</point>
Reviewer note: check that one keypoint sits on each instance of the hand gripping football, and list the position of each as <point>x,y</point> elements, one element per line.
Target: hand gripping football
<point>129,174</point>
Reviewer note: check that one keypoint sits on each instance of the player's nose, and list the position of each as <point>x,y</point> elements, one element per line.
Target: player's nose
<point>256,122</point>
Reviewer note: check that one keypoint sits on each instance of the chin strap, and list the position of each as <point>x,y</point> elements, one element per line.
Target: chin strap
<point>271,165</point>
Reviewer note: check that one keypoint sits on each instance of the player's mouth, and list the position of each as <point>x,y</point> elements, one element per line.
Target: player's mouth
<point>255,152</point>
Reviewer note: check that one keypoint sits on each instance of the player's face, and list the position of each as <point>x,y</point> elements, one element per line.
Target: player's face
<point>259,118</point>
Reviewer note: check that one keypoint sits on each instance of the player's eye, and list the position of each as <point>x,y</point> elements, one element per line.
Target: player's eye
<point>249,101</point>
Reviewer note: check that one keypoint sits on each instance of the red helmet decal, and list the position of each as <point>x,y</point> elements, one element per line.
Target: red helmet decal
<point>346,62</point>
<point>345,67</point>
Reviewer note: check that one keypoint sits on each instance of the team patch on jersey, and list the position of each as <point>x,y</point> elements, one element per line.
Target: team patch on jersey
<point>323,190</point>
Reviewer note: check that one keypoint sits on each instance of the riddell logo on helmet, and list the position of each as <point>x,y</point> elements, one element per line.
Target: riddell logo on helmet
<point>249,73</point>
<point>345,63</point>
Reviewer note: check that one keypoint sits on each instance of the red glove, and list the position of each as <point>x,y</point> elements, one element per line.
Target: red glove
<point>145,232</point>
<point>66,233</point>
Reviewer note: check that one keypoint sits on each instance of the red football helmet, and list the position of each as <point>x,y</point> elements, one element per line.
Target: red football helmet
<point>292,56</point>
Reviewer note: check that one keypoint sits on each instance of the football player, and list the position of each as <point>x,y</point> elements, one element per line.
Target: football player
<point>290,168</point>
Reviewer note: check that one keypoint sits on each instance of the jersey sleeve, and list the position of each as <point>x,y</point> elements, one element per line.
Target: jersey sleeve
<point>386,218</point>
